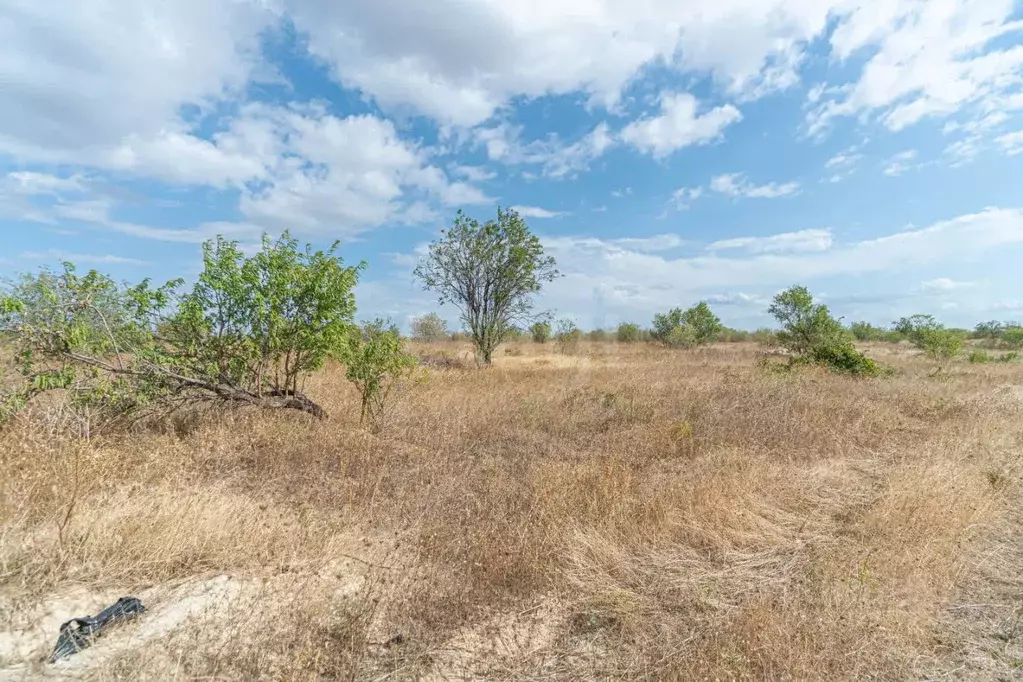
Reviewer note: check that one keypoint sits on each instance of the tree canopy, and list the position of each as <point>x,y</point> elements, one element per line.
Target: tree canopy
<point>491,272</point>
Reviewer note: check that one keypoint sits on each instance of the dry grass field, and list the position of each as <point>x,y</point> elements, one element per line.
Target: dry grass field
<point>627,512</point>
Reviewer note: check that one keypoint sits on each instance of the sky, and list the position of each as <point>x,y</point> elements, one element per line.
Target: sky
<point>666,151</point>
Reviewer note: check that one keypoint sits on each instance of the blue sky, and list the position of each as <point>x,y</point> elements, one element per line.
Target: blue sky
<point>666,151</point>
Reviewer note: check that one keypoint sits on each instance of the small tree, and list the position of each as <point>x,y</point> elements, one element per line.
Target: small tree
<point>248,333</point>
<point>628,333</point>
<point>811,334</point>
<point>929,335</point>
<point>806,325</point>
<point>375,361</point>
<point>490,271</point>
<point>567,337</point>
<point>991,330</point>
<point>429,327</point>
<point>700,326</point>
<point>705,325</point>
<point>664,323</point>
<point>540,332</point>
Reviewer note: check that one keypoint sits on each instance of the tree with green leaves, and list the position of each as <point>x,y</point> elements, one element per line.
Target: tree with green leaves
<point>567,337</point>
<point>811,334</point>
<point>930,336</point>
<point>430,327</point>
<point>540,332</point>
<point>694,326</point>
<point>628,332</point>
<point>248,333</point>
<point>375,362</point>
<point>864,331</point>
<point>491,272</point>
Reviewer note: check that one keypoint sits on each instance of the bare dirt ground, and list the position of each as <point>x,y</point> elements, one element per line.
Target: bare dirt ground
<point>626,512</point>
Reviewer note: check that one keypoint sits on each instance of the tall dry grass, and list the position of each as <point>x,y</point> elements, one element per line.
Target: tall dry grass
<point>625,512</point>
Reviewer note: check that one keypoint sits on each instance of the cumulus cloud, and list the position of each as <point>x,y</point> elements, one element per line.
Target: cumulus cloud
<point>926,59</point>
<point>679,124</point>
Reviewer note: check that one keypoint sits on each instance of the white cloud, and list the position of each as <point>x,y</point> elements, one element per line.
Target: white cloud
<point>557,158</point>
<point>459,62</point>
<point>926,59</point>
<point>679,125</point>
<point>1011,143</point>
<point>81,78</point>
<point>738,299</point>
<point>473,173</point>
<point>789,242</point>
<point>736,185</point>
<point>944,284</point>
<point>536,212</point>
<point>900,163</point>
<point>644,282</point>
<point>843,159</point>
<point>31,183</point>
<point>86,258</point>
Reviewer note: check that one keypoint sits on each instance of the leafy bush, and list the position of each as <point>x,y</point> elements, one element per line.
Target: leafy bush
<point>375,362</point>
<point>1011,356</point>
<point>765,337</point>
<point>845,359</point>
<point>811,334</point>
<point>926,333</point>
<point>1012,337</point>
<point>681,337</point>
<point>864,331</point>
<point>979,357</point>
<point>540,331</point>
<point>701,324</point>
<point>248,333</point>
<point>628,333</point>
<point>567,337</point>
<point>429,327</point>
<point>598,335</point>
<point>991,330</point>
<point>734,335</point>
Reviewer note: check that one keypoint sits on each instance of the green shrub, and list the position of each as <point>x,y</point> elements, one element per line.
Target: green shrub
<point>249,332</point>
<point>540,332</point>
<point>598,335</point>
<point>628,333</point>
<point>701,324</point>
<point>765,337</point>
<point>864,331</point>
<point>567,337</point>
<point>681,337</point>
<point>1012,337</point>
<point>429,327</point>
<point>375,362</point>
<point>812,335</point>
<point>929,335</point>
<point>845,359</point>
<point>1011,356</point>
<point>979,357</point>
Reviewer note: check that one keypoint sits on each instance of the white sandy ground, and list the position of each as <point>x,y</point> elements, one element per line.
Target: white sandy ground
<point>27,635</point>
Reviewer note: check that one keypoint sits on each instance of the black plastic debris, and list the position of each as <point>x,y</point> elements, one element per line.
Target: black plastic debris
<point>79,633</point>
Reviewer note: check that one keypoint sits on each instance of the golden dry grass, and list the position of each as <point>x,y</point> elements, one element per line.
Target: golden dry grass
<point>628,512</point>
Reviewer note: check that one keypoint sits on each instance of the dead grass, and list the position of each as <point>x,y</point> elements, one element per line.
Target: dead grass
<point>623,512</point>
